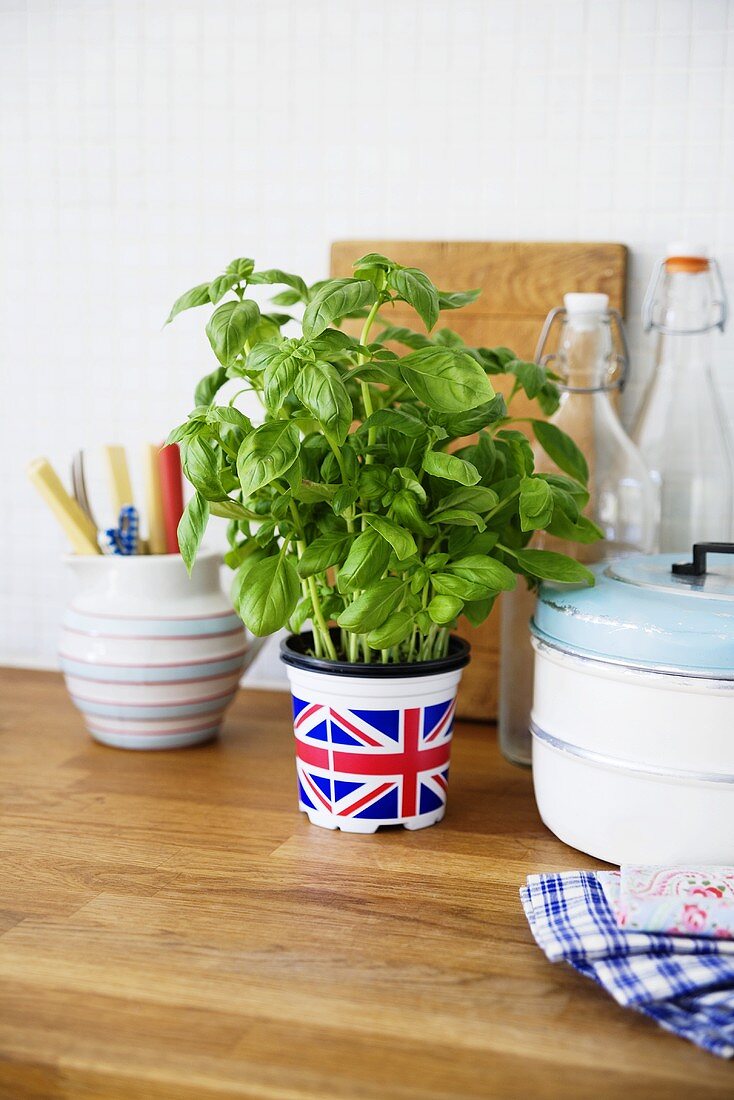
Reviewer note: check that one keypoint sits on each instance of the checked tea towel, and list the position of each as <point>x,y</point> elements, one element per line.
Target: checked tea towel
<point>684,983</point>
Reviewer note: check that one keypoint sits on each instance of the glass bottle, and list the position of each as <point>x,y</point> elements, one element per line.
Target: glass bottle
<point>681,429</point>
<point>621,495</point>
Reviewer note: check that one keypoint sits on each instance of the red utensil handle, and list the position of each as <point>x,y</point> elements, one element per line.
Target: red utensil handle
<point>172,493</point>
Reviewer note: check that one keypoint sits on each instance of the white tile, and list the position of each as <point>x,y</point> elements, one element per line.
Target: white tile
<point>674,16</point>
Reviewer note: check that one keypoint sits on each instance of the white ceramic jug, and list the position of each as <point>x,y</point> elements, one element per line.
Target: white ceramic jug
<point>151,657</point>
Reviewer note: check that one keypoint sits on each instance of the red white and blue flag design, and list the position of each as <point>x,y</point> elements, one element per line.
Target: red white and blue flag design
<point>384,765</point>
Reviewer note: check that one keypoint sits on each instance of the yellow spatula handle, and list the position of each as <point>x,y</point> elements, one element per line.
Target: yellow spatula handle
<point>78,527</point>
<point>119,476</point>
<point>154,501</point>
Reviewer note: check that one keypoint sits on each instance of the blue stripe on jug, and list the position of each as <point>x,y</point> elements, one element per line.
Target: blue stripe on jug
<point>111,626</point>
<point>149,674</point>
<point>134,711</point>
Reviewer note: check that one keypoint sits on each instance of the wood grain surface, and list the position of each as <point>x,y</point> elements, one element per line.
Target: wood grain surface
<point>171,928</point>
<point>521,281</point>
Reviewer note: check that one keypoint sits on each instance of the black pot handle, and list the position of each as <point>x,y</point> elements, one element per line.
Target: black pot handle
<point>697,567</point>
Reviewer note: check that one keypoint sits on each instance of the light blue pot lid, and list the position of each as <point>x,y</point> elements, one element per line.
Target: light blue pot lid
<point>641,614</point>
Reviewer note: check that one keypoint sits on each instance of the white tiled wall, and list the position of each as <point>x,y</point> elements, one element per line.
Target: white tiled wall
<point>145,143</point>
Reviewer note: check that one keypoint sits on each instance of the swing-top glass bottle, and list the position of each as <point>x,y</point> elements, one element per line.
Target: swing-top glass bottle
<point>621,497</point>
<point>681,429</point>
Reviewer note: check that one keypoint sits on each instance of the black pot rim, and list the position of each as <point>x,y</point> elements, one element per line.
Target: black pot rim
<point>293,652</point>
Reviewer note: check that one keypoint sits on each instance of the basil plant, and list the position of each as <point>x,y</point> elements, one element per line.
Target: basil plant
<point>385,493</point>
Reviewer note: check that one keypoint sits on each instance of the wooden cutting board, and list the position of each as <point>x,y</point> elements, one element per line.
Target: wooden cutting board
<point>520,282</point>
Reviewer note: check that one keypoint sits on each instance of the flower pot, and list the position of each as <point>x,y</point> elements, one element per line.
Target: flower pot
<point>151,657</point>
<point>373,741</point>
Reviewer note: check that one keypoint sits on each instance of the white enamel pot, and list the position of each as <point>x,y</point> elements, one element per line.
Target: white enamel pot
<point>633,711</point>
<point>151,657</point>
<point>373,742</point>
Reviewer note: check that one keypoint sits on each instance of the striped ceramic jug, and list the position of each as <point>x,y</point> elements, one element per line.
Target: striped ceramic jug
<point>151,657</point>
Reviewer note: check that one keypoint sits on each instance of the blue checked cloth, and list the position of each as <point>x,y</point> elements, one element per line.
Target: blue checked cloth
<point>684,983</point>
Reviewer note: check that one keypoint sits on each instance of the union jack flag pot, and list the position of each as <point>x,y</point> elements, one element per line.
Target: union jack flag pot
<point>373,742</point>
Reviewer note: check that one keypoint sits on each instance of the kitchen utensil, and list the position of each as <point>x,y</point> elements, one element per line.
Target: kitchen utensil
<point>119,476</point>
<point>79,528</point>
<point>633,758</point>
<point>169,459</point>
<point>154,500</point>
<point>79,485</point>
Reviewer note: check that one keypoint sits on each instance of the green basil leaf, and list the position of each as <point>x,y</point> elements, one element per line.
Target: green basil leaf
<point>197,296</point>
<point>473,420</point>
<point>303,612</point>
<point>574,488</point>
<point>366,562</point>
<point>460,517</point>
<point>228,328</point>
<point>477,610</point>
<point>242,268</point>
<point>332,342</point>
<point>489,572</point>
<point>286,298</point>
<point>581,530</point>
<point>549,566</point>
<point>311,492</point>
<point>448,338</point>
<point>531,376</point>
<point>247,552</point>
<point>320,389</point>
<point>266,454</point>
<point>266,595</point>
<point>392,632</point>
<point>323,552</point>
<point>275,275</point>
<point>496,360</point>
<point>267,330</point>
<point>455,299</point>
<point>401,540</point>
<point>263,354</point>
<point>191,528</point>
<point>209,385</point>
<point>562,450</point>
<point>474,497</point>
<point>334,300</point>
<point>227,414</point>
<point>447,584</point>
<point>373,606</point>
<point>517,450</point>
<point>230,509</point>
<point>409,480</point>
<point>536,504</point>
<point>415,288</point>
<point>279,377</point>
<point>372,259</point>
<point>400,335</point>
<point>201,467</point>
<point>549,398</point>
<point>406,510</point>
<point>446,379</point>
<point>344,498</point>
<point>444,609</point>
<point>396,420</point>
<point>219,286</point>
<point>450,467</point>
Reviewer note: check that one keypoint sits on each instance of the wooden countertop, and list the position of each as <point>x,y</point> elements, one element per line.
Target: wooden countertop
<point>172,928</point>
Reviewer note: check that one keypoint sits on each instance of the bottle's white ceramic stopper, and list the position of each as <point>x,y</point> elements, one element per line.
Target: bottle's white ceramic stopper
<point>687,250</point>
<point>586,305</point>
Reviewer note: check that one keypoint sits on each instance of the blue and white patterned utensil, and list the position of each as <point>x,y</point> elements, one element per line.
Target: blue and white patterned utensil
<point>123,539</point>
